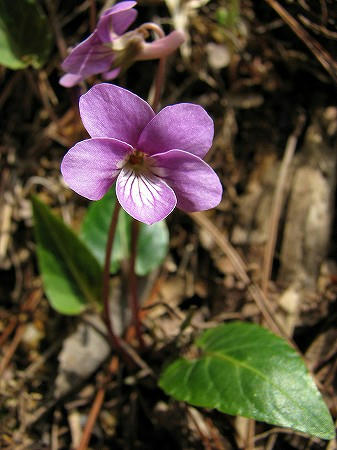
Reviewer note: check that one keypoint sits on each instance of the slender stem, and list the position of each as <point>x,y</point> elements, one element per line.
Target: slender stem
<point>158,83</point>
<point>106,278</point>
<point>134,303</point>
<point>159,78</point>
<point>92,17</point>
<point>153,27</point>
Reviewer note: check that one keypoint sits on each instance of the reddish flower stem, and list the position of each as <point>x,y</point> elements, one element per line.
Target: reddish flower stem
<point>159,78</point>
<point>93,14</point>
<point>134,303</point>
<point>158,83</point>
<point>106,279</point>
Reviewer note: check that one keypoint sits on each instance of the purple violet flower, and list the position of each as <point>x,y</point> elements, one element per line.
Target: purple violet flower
<point>156,159</point>
<point>109,49</point>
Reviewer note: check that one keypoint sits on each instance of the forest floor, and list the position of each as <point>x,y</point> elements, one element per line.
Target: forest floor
<point>268,79</point>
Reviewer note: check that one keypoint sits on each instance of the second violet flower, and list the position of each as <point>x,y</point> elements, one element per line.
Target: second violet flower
<point>110,49</point>
<point>155,159</point>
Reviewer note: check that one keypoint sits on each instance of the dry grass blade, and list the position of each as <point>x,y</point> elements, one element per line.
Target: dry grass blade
<point>95,409</point>
<point>12,348</point>
<point>241,269</point>
<point>278,203</point>
<point>313,45</point>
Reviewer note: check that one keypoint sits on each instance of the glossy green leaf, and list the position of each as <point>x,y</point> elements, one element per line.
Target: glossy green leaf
<point>152,244</point>
<point>71,275</point>
<point>246,370</point>
<point>95,228</point>
<point>25,37</point>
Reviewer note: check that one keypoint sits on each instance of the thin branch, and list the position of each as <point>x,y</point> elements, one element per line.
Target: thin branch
<point>60,41</point>
<point>12,347</point>
<point>278,203</point>
<point>94,411</point>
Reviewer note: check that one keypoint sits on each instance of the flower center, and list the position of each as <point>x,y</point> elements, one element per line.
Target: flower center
<point>138,162</point>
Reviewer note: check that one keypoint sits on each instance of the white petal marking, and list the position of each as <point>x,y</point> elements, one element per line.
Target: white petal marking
<point>145,197</point>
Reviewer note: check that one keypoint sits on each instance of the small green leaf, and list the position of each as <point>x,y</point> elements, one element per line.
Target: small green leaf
<point>246,370</point>
<point>152,246</point>
<point>25,37</point>
<point>95,228</point>
<point>152,243</point>
<point>71,275</point>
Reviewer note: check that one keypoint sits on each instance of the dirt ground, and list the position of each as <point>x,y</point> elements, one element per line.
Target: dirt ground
<point>267,75</point>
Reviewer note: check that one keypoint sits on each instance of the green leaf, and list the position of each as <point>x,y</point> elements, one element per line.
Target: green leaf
<point>152,243</point>
<point>246,370</point>
<point>95,228</point>
<point>152,247</point>
<point>25,37</point>
<point>71,275</point>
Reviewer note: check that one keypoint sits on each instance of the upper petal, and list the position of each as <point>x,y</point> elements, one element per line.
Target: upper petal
<point>89,57</point>
<point>111,111</point>
<point>146,198</point>
<point>91,166</point>
<point>185,126</point>
<point>116,20</point>
<point>194,182</point>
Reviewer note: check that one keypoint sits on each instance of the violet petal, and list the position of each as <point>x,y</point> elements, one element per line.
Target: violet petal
<point>70,80</point>
<point>194,182</point>
<point>91,166</point>
<point>185,126</point>
<point>161,47</point>
<point>88,58</point>
<point>109,110</point>
<point>112,74</point>
<point>116,20</point>
<point>146,198</point>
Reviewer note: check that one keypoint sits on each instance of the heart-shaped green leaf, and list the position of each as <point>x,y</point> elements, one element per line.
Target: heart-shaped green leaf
<point>152,243</point>
<point>71,275</point>
<point>246,370</point>
<point>25,37</point>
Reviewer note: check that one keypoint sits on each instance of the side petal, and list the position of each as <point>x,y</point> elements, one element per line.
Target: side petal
<point>111,111</point>
<point>88,58</point>
<point>194,182</point>
<point>115,20</point>
<point>185,126</point>
<point>91,166</point>
<point>70,80</point>
<point>146,198</point>
<point>161,47</point>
